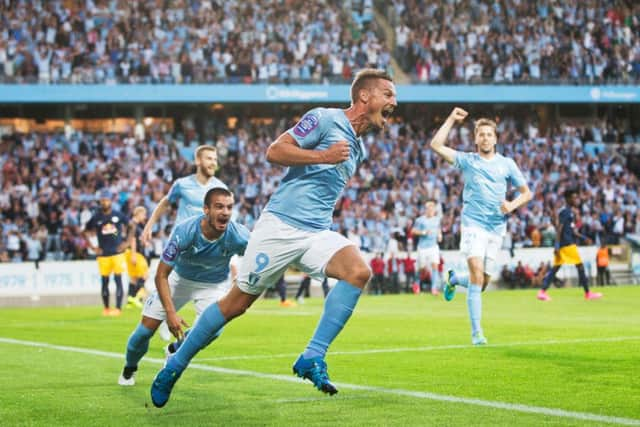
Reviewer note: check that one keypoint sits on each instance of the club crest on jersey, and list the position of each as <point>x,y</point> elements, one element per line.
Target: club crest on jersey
<point>306,125</point>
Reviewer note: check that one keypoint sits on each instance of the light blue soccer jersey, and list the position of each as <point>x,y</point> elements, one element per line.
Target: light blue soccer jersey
<point>432,225</point>
<point>188,193</point>
<point>307,194</point>
<point>485,188</point>
<point>194,257</point>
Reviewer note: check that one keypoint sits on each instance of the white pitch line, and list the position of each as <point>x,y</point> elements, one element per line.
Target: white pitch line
<point>538,410</point>
<point>428,348</point>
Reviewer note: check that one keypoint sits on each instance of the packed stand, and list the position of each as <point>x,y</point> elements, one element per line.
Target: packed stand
<point>517,41</point>
<point>50,183</point>
<point>186,41</point>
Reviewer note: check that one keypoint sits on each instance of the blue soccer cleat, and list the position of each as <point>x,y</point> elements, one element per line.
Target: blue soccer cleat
<point>162,386</point>
<point>449,285</point>
<point>315,370</point>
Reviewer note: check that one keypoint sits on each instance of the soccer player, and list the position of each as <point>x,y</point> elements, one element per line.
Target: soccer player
<point>427,229</point>
<point>188,193</point>
<point>323,151</point>
<point>486,177</point>
<point>137,267</point>
<point>194,266</point>
<point>109,226</point>
<point>566,251</point>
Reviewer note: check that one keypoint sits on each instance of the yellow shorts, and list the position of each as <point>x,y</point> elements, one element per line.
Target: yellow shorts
<point>111,264</point>
<point>140,268</point>
<point>567,255</point>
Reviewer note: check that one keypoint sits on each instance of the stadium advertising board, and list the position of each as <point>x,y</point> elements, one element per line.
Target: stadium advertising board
<point>82,278</point>
<point>244,93</point>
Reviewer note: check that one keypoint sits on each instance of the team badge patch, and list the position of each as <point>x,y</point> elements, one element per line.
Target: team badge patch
<point>170,252</point>
<point>306,125</point>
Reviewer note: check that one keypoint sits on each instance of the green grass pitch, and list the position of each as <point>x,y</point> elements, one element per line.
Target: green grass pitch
<point>402,360</point>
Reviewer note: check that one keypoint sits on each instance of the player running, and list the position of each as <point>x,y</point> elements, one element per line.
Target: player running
<point>487,175</point>
<point>194,266</point>
<point>323,151</point>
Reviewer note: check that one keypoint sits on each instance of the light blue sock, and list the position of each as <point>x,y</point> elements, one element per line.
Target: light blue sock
<point>337,309</point>
<point>206,329</point>
<point>137,345</point>
<point>474,303</point>
<point>435,279</point>
<point>461,280</point>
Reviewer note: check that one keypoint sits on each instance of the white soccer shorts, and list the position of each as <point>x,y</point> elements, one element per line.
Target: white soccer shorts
<point>428,256</point>
<point>185,290</point>
<point>275,245</point>
<point>476,242</point>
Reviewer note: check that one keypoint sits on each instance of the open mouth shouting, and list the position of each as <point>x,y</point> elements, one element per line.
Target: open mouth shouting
<point>386,113</point>
<point>220,222</point>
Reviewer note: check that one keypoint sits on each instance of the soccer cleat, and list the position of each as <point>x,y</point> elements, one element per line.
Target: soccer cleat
<point>162,386</point>
<point>315,370</point>
<point>300,300</point>
<point>128,376</point>
<point>543,296</point>
<point>133,302</point>
<point>287,303</point>
<point>106,311</point>
<point>114,312</point>
<point>592,295</point>
<point>449,286</point>
<point>478,339</point>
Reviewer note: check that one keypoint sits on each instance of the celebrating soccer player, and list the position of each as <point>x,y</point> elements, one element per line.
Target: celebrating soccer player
<point>194,266</point>
<point>486,177</point>
<point>188,193</point>
<point>323,151</point>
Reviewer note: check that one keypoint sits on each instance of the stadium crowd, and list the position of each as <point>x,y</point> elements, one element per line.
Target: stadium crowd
<point>49,183</point>
<point>190,41</point>
<point>516,41</point>
<point>186,41</point>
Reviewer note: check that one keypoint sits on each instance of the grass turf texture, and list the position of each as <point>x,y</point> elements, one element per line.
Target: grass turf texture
<point>567,354</point>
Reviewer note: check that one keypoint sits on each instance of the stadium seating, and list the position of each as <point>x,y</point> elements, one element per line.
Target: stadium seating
<point>319,41</point>
<point>50,182</point>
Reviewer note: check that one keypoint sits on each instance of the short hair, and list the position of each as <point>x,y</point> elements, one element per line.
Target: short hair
<point>431,201</point>
<point>570,192</point>
<point>485,122</point>
<point>216,191</point>
<point>203,148</point>
<point>364,77</point>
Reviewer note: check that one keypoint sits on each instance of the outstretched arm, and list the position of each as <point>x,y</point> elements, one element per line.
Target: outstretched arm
<point>285,151</point>
<point>437,143</point>
<point>161,208</point>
